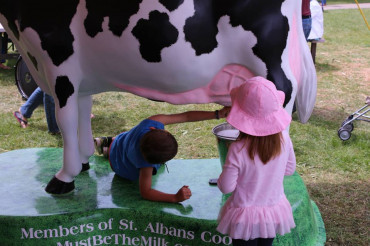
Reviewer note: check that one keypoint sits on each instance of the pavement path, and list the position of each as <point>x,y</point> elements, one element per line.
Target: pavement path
<point>347,6</point>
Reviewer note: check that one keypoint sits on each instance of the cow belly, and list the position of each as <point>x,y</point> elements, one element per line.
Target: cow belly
<point>216,91</point>
<point>180,71</point>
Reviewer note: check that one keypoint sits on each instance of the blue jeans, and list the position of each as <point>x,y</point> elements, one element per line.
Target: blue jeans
<point>307,25</point>
<point>4,42</point>
<point>38,97</point>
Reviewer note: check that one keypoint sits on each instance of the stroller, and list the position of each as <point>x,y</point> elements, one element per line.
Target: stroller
<point>347,127</point>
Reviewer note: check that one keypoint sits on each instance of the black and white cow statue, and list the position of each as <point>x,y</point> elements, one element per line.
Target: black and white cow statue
<point>178,51</point>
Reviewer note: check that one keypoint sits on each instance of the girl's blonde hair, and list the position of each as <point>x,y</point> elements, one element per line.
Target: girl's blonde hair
<point>266,147</point>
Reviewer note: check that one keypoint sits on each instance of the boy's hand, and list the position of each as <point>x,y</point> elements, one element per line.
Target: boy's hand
<point>224,112</point>
<point>183,194</point>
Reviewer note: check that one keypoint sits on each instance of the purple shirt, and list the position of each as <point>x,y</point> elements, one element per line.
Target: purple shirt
<point>306,8</point>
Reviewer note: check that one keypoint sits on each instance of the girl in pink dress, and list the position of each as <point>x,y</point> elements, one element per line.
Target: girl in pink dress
<point>255,166</point>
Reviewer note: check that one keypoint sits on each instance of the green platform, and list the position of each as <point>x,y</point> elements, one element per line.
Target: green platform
<point>107,210</point>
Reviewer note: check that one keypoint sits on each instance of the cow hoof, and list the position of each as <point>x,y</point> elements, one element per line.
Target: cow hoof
<point>58,187</point>
<point>85,167</point>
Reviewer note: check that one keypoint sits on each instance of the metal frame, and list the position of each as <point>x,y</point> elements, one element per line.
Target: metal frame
<point>347,126</point>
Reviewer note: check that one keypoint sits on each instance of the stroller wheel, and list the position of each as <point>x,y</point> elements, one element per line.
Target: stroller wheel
<point>349,127</point>
<point>344,134</point>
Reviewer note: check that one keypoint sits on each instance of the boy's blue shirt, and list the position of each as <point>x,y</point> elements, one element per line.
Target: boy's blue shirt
<point>125,156</point>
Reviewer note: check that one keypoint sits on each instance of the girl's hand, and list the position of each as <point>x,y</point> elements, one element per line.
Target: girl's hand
<point>224,112</point>
<point>183,194</point>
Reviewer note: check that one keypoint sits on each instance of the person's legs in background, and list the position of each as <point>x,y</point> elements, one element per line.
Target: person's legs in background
<point>32,103</point>
<point>26,110</point>
<point>4,49</point>
<point>307,25</point>
<point>49,107</point>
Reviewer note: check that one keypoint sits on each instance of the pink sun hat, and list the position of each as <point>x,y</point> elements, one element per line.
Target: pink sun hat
<point>257,108</point>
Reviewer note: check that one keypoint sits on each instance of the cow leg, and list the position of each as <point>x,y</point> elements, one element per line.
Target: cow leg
<point>85,138</point>
<point>67,117</point>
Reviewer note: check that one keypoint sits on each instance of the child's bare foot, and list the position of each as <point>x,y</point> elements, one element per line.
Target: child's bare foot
<point>105,152</point>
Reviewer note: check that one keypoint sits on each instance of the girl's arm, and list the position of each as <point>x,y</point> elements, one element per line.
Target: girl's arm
<point>190,116</point>
<point>146,191</point>
<point>228,179</point>
<point>291,164</point>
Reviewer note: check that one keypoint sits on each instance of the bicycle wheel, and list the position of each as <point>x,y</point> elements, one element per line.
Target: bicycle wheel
<point>23,79</point>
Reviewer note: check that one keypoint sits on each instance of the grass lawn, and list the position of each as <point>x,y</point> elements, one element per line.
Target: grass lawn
<point>336,173</point>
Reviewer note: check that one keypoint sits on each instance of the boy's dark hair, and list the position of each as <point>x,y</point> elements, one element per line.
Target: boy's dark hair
<point>158,146</point>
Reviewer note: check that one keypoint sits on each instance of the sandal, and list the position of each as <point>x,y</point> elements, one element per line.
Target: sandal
<point>2,66</point>
<point>102,144</point>
<point>23,123</point>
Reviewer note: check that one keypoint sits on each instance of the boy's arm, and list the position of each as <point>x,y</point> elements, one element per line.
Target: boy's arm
<point>146,191</point>
<point>190,116</point>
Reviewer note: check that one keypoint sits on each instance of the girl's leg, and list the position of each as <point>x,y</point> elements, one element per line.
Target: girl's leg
<point>241,242</point>
<point>265,241</point>
<point>49,107</point>
<point>32,103</point>
<point>254,242</point>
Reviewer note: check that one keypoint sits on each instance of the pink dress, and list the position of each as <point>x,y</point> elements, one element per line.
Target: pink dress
<point>258,207</point>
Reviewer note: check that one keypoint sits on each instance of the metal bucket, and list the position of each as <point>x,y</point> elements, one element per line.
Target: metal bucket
<point>225,135</point>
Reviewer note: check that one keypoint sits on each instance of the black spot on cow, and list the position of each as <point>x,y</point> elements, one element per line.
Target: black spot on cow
<point>267,23</point>
<point>118,12</point>
<point>63,89</point>
<point>154,35</point>
<point>171,5</point>
<point>33,60</point>
<point>9,10</point>
<point>201,29</point>
<point>51,21</point>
